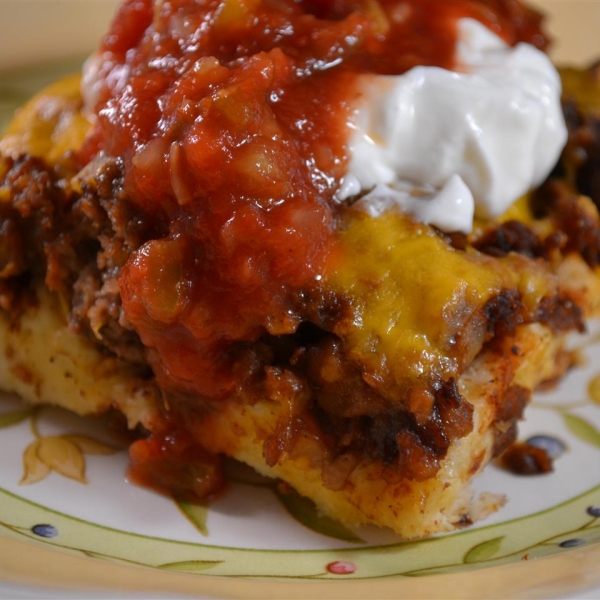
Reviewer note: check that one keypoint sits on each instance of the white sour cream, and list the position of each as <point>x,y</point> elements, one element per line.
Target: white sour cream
<point>474,140</point>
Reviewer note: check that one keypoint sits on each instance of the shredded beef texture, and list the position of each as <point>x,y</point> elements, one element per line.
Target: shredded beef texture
<point>75,242</point>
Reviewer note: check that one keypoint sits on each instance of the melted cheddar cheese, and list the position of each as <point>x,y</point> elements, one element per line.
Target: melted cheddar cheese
<point>411,292</point>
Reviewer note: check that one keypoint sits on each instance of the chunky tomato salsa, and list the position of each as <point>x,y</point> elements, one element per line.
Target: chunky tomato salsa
<point>231,121</point>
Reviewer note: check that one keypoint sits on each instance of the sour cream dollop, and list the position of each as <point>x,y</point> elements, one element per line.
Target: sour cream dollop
<point>470,141</point>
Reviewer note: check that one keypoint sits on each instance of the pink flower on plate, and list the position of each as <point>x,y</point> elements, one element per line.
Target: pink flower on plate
<point>341,567</point>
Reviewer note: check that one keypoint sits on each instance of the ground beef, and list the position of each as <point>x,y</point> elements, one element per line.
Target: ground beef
<point>511,236</point>
<point>75,242</point>
<point>412,433</point>
<point>503,313</point>
<point>576,228</point>
<point>34,219</point>
<point>561,314</point>
<point>96,305</point>
<point>572,216</point>
<point>581,158</point>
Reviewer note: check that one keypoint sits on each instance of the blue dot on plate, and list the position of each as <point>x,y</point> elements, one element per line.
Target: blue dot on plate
<point>553,446</point>
<point>594,511</point>
<point>572,543</point>
<point>44,530</point>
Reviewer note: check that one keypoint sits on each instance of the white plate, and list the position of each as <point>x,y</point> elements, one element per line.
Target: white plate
<point>106,534</point>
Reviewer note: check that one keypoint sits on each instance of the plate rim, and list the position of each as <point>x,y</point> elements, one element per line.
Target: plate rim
<point>556,576</point>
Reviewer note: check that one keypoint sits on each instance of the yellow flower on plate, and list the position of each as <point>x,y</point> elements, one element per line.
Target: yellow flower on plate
<point>63,454</point>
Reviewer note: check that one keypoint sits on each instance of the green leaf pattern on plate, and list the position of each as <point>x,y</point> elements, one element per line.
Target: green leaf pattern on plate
<point>483,551</point>
<point>191,566</point>
<point>582,429</point>
<point>14,418</point>
<point>305,512</point>
<point>196,514</point>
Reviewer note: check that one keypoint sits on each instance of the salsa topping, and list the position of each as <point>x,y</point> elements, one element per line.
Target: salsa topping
<point>231,121</point>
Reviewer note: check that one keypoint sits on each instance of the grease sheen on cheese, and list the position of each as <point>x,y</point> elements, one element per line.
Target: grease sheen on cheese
<point>496,124</point>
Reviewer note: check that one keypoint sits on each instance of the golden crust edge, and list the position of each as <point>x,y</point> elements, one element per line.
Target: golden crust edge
<point>45,362</point>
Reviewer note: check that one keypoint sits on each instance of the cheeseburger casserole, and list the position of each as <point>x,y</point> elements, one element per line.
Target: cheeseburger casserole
<point>341,241</point>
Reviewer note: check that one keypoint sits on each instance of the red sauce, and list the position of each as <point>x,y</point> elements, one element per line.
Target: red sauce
<point>231,121</point>
<point>174,464</point>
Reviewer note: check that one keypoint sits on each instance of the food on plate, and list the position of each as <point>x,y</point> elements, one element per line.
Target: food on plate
<point>328,239</point>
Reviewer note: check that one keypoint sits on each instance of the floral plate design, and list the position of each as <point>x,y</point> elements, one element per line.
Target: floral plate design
<point>62,485</point>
